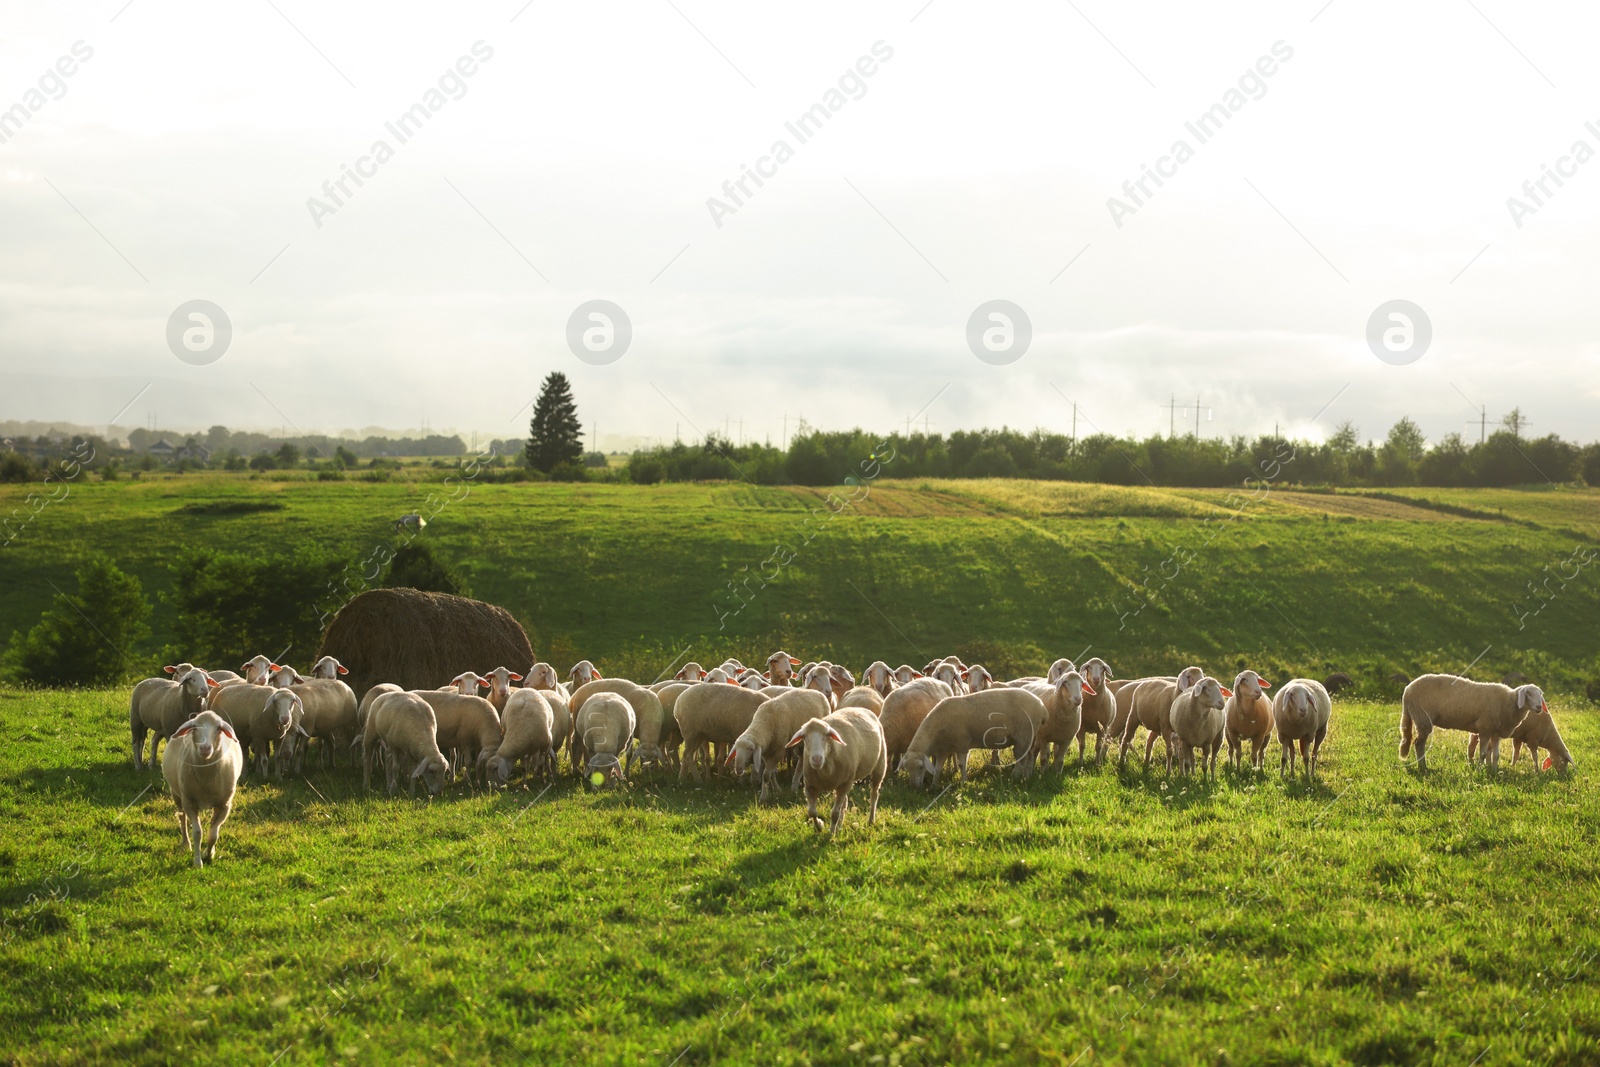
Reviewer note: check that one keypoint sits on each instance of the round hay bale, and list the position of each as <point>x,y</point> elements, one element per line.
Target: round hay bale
<point>421,640</point>
<point>1337,681</point>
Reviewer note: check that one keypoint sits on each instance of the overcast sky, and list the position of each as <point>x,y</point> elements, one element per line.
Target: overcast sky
<point>974,163</point>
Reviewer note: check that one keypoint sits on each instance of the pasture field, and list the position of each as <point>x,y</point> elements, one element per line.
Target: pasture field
<point>1005,572</point>
<point>1082,917</point>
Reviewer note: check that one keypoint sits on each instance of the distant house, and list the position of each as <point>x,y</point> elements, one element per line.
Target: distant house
<point>196,453</point>
<point>162,450</point>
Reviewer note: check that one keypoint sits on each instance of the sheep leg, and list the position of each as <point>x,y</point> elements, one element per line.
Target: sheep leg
<point>877,787</point>
<point>811,809</point>
<point>139,732</point>
<point>1150,747</point>
<point>219,815</point>
<point>1305,755</point>
<point>961,768</point>
<point>193,814</point>
<point>841,804</point>
<point>1286,758</point>
<point>183,828</point>
<point>1491,753</point>
<point>1423,725</point>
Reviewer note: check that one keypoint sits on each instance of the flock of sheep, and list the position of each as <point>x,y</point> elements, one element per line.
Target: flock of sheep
<point>812,719</point>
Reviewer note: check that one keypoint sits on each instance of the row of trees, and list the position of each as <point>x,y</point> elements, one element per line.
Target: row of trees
<point>1404,457</point>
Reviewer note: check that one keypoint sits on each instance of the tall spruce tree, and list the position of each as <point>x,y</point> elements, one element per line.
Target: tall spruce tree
<point>555,436</point>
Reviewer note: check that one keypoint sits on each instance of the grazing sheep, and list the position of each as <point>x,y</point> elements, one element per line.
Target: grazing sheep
<point>1538,730</point>
<point>412,521</point>
<point>1301,711</point>
<point>711,715</point>
<point>1151,707</point>
<point>582,673</point>
<point>202,766</point>
<point>650,715</point>
<point>958,724</point>
<point>837,752</point>
<point>1489,709</point>
<point>405,725</point>
<point>903,712</point>
<point>1099,708</point>
<point>862,696</point>
<point>601,735</point>
<point>529,735</point>
<point>464,726</point>
<point>327,667</point>
<point>780,667</point>
<point>499,681</point>
<point>1249,718</point>
<point>159,706</point>
<point>330,712</point>
<point>1199,722</point>
<point>1063,704</point>
<point>761,747</point>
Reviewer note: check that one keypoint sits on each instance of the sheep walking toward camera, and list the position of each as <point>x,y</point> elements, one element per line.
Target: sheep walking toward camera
<point>601,736</point>
<point>1199,723</point>
<point>1491,710</point>
<point>529,735</point>
<point>1301,711</point>
<point>761,747</point>
<point>1249,715</point>
<point>202,765</point>
<point>837,752</point>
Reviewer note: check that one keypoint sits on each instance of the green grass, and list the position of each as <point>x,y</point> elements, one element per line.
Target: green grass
<point>1372,918</point>
<point>1013,573</point>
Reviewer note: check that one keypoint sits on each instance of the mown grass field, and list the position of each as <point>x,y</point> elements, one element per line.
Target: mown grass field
<point>1010,572</point>
<point>1092,916</point>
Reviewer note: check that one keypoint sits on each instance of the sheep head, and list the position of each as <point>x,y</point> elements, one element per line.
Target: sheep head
<point>1058,668</point>
<point>207,732</point>
<point>328,667</point>
<point>1096,672</point>
<point>1189,677</point>
<point>1249,685</point>
<point>816,736</point>
<point>1209,693</point>
<point>917,767</point>
<point>978,678</point>
<point>432,773</point>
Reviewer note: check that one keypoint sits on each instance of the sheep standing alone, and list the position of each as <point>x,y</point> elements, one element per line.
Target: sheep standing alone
<point>202,765</point>
<point>1199,722</point>
<point>601,735</point>
<point>958,724</point>
<point>903,712</point>
<point>1151,707</point>
<point>1301,711</point>
<point>529,725</point>
<point>1491,710</point>
<point>404,725</point>
<point>1249,718</point>
<point>837,752</point>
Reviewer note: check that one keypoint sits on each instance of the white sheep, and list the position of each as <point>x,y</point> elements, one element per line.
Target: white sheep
<point>820,679</point>
<point>406,727</point>
<point>1062,725</point>
<point>978,678</point>
<point>905,674</point>
<point>757,681</point>
<point>1058,668</point>
<point>257,669</point>
<point>499,681</point>
<point>903,712</point>
<point>650,716</point>
<point>690,672</point>
<point>837,752</point>
<point>780,667</point>
<point>1249,715</point>
<point>1151,707</point>
<point>602,735</point>
<point>329,711</point>
<point>582,673</point>
<point>543,676</point>
<point>1198,723</point>
<point>159,706</point>
<point>328,667</point>
<point>265,719</point>
<point>879,677</point>
<point>1489,709</point>
<point>710,715</point>
<point>760,748</point>
<point>862,696</point>
<point>363,708</point>
<point>1301,711</point>
<point>529,735</point>
<point>202,765</point>
<point>958,724</point>
<point>1099,707</point>
<point>465,726</point>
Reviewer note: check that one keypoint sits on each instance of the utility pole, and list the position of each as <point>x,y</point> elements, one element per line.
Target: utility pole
<point>1074,424</point>
<point>1197,416</point>
<point>741,429</point>
<point>1172,416</point>
<point>786,431</point>
<point>1483,423</point>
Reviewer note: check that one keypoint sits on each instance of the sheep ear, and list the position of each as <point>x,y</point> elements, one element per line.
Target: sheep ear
<point>835,735</point>
<point>793,662</point>
<point>185,728</point>
<point>274,667</point>
<point>1087,688</point>
<point>1227,693</point>
<point>597,674</point>
<point>169,668</point>
<point>1263,683</point>
<point>515,677</point>
<point>344,670</point>
<point>227,729</point>
<point>301,730</point>
<point>799,736</point>
<point>213,683</point>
